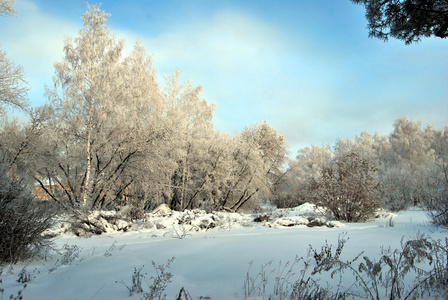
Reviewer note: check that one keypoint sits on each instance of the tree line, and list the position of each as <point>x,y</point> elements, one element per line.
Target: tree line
<point>409,167</point>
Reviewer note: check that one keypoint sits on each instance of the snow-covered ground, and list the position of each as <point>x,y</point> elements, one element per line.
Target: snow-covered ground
<point>213,253</point>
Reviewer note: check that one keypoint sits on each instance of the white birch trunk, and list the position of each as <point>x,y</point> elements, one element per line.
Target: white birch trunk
<point>88,160</point>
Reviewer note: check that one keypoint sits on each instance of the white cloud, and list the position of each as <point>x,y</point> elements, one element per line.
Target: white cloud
<point>229,41</point>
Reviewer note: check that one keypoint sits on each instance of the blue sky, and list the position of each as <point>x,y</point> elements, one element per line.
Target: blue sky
<point>306,67</point>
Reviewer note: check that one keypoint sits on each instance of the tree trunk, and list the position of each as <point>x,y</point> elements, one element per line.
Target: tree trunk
<point>184,175</point>
<point>88,160</point>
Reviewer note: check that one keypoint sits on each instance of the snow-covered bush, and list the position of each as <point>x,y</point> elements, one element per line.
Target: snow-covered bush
<point>347,188</point>
<point>98,222</point>
<point>133,212</point>
<point>22,222</point>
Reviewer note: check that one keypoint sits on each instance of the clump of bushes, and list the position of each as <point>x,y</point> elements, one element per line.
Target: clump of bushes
<point>23,222</point>
<point>347,188</point>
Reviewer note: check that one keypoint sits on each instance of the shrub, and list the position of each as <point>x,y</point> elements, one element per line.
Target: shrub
<point>22,222</point>
<point>438,210</point>
<point>159,283</point>
<point>347,188</point>
<point>438,204</point>
<point>135,213</point>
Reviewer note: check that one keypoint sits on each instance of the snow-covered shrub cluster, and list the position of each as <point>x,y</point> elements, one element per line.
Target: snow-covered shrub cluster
<point>348,188</point>
<point>98,222</point>
<point>306,214</point>
<point>164,221</point>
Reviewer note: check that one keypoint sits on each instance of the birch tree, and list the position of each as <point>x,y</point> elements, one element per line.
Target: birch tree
<point>103,117</point>
<point>411,146</point>
<point>189,119</point>
<point>85,78</point>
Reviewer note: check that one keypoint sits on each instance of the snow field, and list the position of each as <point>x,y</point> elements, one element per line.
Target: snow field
<point>211,262</point>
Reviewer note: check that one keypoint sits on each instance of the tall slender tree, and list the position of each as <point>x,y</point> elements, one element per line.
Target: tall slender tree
<point>86,79</point>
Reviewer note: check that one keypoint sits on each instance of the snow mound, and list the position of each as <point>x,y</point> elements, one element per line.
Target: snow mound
<point>163,221</point>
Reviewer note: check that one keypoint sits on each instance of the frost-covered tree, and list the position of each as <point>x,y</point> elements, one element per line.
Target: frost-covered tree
<point>86,79</point>
<point>307,166</point>
<point>261,154</point>
<point>13,87</point>
<point>312,159</point>
<point>272,148</point>
<point>7,7</point>
<point>16,149</point>
<point>189,118</point>
<point>248,178</point>
<point>363,144</point>
<point>104,114</point>
<point>410,143</point>
<point>397,186</point>
<point>382,149</point>
<point>412,154</point>
<point>227,172</point>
